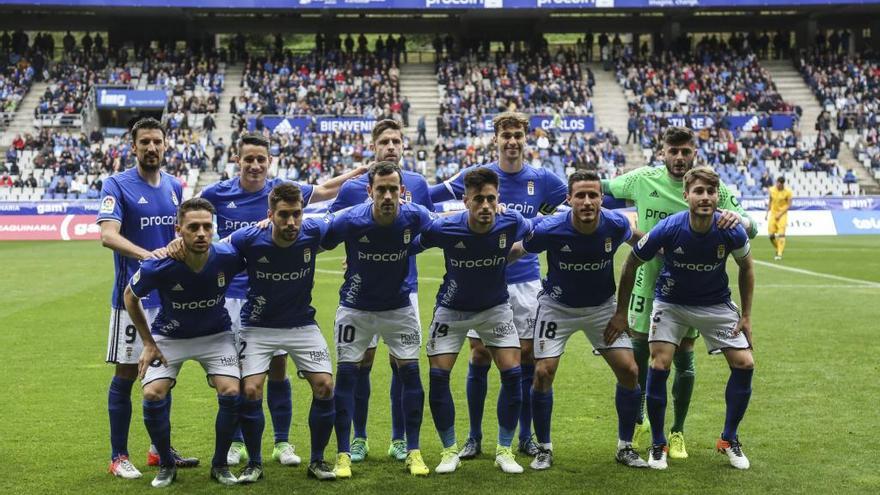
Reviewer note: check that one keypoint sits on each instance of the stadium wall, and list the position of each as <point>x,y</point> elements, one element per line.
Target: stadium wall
<point>75,220</point>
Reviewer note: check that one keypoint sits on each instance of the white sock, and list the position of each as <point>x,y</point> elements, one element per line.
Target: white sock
<point>622,444</point>
<point>546,446</point>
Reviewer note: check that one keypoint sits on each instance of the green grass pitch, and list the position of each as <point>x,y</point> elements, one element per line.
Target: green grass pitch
<point>811,426</point>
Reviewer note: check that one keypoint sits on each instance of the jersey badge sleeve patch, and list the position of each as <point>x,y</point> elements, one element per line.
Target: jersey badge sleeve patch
<point>108,204</point>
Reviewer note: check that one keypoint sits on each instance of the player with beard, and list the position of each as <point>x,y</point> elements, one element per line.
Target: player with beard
<point>529,191</point>
<point>137,217</point>
<point>658,193</point>
<point>387,145</point>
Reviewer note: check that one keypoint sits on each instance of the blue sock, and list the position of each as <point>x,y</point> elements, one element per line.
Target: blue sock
<point>525,412</point>
<point>346,376</point>
<point>656,398</point>
<point>442,407</point>
<point>361,402</point>
<point>224,427</point>
<point>628,402</point>
<point>413,402</point>
<point>119,410</point>
<point>321,416</point>
<point>159,427</point>
<point>477,387</point>
<point>737,395</point>
<point>509,404</point>
<point>253,422</point>
<point>398,425</point>
<point>279,398</point>
<point>542,410</point>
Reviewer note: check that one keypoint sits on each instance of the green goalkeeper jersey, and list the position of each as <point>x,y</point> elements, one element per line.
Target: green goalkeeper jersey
<point>657,196</point>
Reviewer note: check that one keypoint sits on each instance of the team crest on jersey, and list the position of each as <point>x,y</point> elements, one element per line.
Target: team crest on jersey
<point>221,279</point>
<point>174,199</point>
<point>108,204</point>
<point>502,241</point>
<point>407,197</point>
<point>307,255</point>
<point>407,235</point>
<point>608,245</point>
<point>721,251</point>
<point>530,188</point>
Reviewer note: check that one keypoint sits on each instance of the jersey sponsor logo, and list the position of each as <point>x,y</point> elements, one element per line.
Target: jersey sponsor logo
<point>584,267</point>
<point>221,279</point>
<point>319,356</point>
<point>108,204</point>
<point>608,245</point>
<point>143,201</point>
<point>193,305</point>
<point>679,250</point>
<point>652,213</point>
<point>230,225</point>
<point>697,267</point>
<point>643,240</point>
<point>263,259</point>
<point>382,257</point>
<point>157,221</point>
<point>231,204</point>
<point>654,194</point>
<point>259,304</point>
<point>504,329</point>
<point>283,276</point>
<point>174,199</point>
<point>354,289</point>
<point>460,245</point>
<point>364,240</point>
<point>413,338</point>
<point>502,241</point>
<point>530,188</point>
<point>525,209</point>
<point>480,263</point>
<point>721,252</point>
<point>407,235</point>
<point>565,248</point>
<point>231,360</point>
<point>307,255</point>
<point>177,287</point>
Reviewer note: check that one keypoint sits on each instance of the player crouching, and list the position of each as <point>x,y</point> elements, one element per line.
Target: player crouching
<point>693,291</point>
<point>192,324</point>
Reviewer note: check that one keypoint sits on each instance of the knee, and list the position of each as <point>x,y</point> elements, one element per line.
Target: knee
<point>661,362</point>
<point>527,355</point>
<point>628,374</point>
<point>153,394</point>
<point>544,376</point>
<point>322,388</point>
<point>228,388</point>
<point>252,391</point>
<point>480,356</point>
<point>743,361</point>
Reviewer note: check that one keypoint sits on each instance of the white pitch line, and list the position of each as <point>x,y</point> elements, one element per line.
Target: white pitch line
<point>813,286</point>
<point>337,272</point>
<point>865,283</point>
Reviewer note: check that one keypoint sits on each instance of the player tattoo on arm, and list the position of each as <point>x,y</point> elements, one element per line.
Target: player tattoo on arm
<point>618,324</point>
<point>746,291</point>
<point>151,351</point>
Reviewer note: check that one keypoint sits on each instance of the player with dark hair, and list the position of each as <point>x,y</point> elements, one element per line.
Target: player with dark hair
<point>474,297</point>
<point>241,202</point>
<point>658,193</point>
<point>387,145</point>
<point>191,324</point>
<point>374,300</point>
<point>136,216</point>
<point>529,191</point>
<point>580,246</point>
<point>693,292</point>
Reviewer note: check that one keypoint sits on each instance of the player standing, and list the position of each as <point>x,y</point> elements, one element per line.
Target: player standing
<point>658,193</point>
<point>693,292</point>
<point>387,145</point>
<point>777,215</point>
<point>192,324</point>
<point>374,300</point>
<point>136,216</point>
<point>580,246</point>
<point>240,202</point>
<point>473,297</point>
<point>529,191</point>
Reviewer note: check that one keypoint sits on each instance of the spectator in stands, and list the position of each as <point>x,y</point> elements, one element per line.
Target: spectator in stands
<point>61,186</point>
<point>5,181</point>
<point>849,179</point>
<point>30,181</point>
<point>632,128</point>
<point>422,128</point>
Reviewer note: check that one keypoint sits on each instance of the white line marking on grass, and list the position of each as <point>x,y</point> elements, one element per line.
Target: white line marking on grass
<point>865,283</point>
<point>337,272</point>
<point>814,286</point>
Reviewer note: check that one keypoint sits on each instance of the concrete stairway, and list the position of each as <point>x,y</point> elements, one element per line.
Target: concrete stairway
<point>612,112</point>
<point>23,122</point>
<point>418,84</point>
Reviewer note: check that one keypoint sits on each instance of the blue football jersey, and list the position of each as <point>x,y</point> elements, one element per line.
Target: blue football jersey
<point>354,192</point>
<point>530,191</point>
<point>694,264</point>
<point>237,208</point>
<point>147,216</point>
<point>475,263</point>
<point>192,303</point>
<point>577,261</point>
<point>281,278</point>
<point>377,257</point>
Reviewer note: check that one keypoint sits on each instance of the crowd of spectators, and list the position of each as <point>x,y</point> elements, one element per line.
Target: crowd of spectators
<point>848,86</point>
